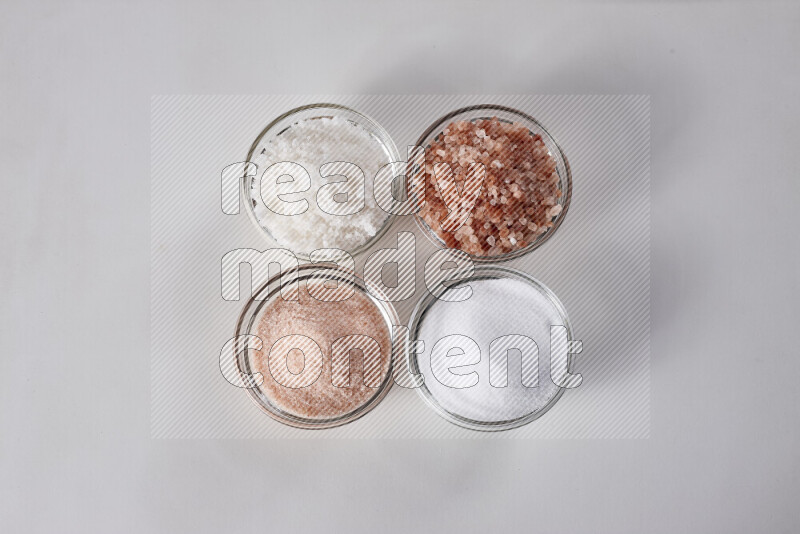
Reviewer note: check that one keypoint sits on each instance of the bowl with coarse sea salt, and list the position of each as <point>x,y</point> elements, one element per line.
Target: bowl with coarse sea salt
<point>313,187</point>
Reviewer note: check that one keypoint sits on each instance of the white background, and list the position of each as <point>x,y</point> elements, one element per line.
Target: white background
<point>75,451</point>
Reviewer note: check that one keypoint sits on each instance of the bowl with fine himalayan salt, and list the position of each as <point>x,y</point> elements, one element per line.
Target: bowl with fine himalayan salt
<point>494,184</point>
<point>314,346</point>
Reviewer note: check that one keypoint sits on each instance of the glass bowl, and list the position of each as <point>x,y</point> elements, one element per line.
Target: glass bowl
<point>270,291</point>
<point>429,300</point>
<point>508,115</point>
<point>281,125</point>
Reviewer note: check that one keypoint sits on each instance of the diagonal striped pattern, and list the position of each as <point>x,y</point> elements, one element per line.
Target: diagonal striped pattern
<point>526,350</point>
<point>451,351</point>
<point>261,263</point>
<point>374,368</point>
<point>229,356</point>
<point>460,203</point>
<point>598,263</point>
<point>330,149</point>
<point>403,257</point>
<point>283,361</point>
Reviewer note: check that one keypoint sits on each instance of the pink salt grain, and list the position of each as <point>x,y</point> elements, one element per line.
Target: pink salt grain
<point>520,192</point>
<point>324,322</point>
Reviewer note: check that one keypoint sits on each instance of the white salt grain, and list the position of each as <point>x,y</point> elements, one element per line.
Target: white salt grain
<point>497,307</point>
<point>312,143</point>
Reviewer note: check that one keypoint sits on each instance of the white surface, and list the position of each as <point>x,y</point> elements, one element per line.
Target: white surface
<point>75,453</point>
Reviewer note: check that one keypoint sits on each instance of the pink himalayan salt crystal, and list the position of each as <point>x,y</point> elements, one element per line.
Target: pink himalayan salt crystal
<point>519,198</point>
<point>324,322</point>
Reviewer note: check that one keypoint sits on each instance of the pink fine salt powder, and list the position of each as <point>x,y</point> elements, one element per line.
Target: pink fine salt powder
<point>324,322</point>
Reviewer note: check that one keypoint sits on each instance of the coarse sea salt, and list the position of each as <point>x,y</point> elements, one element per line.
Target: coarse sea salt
<point>312,143</point>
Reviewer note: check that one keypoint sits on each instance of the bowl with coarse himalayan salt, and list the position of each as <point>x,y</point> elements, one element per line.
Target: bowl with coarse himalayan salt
<point>495,184</point>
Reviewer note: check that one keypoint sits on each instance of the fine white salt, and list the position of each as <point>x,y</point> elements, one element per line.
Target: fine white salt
<point>497,307</point>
